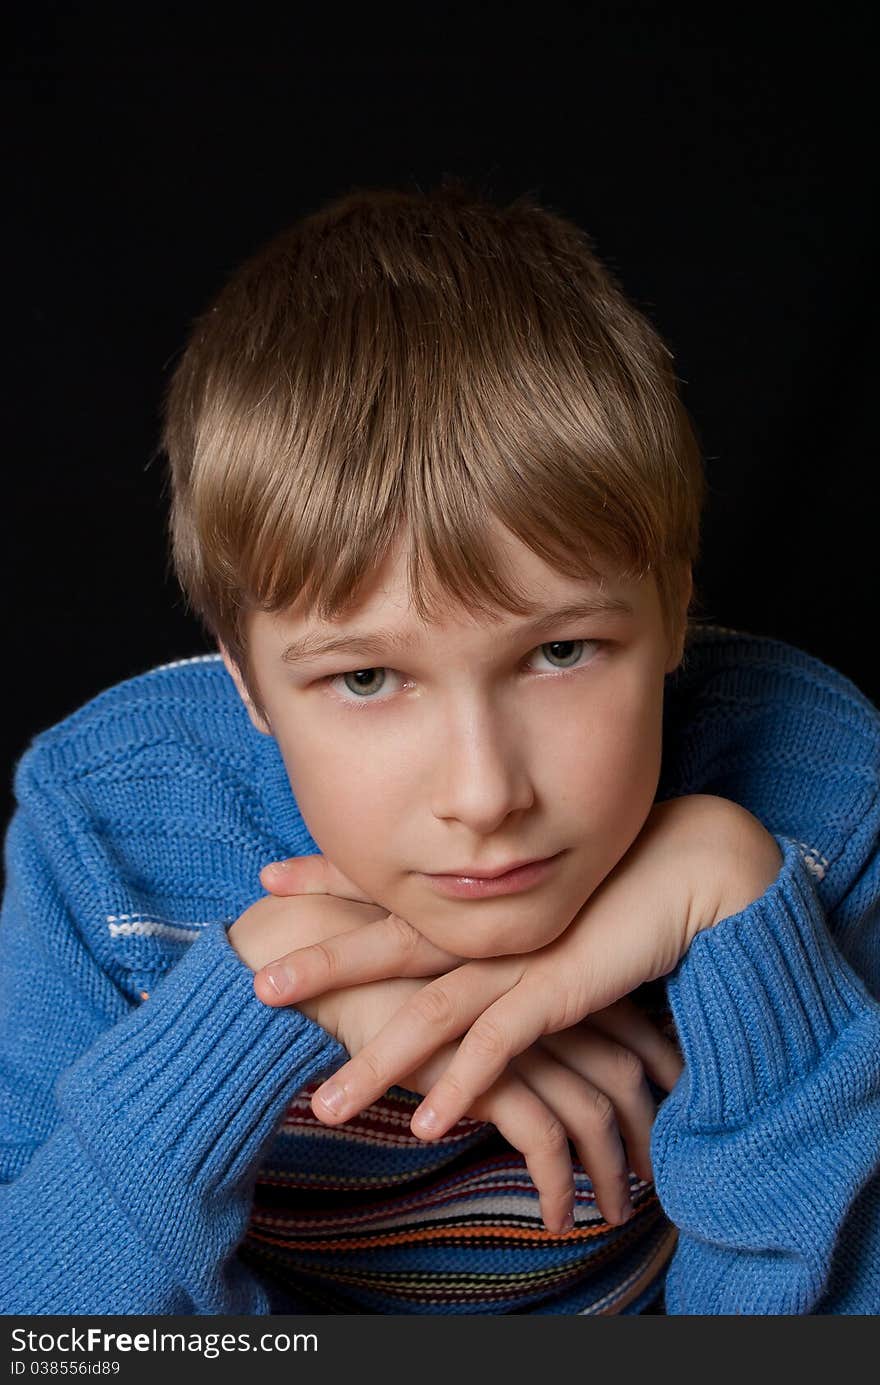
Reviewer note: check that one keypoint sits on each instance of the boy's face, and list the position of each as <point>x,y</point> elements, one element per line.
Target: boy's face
<point>476,744</point>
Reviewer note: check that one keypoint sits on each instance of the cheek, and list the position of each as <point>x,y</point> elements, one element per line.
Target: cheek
<point>611,749</point>
<point>346,806</point>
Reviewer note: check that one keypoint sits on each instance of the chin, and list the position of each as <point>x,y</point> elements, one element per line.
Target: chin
<point>501,947</point>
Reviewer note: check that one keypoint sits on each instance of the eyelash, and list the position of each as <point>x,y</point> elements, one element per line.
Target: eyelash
<point>354,701</point>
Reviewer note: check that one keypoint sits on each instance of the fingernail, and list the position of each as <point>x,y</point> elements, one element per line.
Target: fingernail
<point>567,1223</point>
<point>624,1213</point>
<point>333,1097</point>
<point>279,978</point>
<point>426,1119</point>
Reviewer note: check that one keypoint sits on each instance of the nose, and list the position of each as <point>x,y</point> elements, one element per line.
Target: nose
<point>482,768</point>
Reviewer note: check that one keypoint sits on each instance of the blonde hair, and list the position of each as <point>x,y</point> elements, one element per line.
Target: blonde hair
<point>421,363</point>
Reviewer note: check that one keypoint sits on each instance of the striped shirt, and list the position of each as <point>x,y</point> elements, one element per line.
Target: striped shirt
<point>463,1235</point>
<point>450,1226</point>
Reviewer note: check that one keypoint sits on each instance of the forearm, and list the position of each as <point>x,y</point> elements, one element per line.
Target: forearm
<point>766,1152</point>
<point>137,1199</point>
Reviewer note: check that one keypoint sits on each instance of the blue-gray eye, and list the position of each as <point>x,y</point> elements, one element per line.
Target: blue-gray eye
<point>365,674</point>
<point>565,644</point>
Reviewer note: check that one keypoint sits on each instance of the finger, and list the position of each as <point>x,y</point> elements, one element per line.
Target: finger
<point>527,1124</point>
<point>625,1022</point>
<point>388,947</point>
<point>501,1031</point>
<point>310,875</point>
<point>617,1073</point>
<point>589,1119</point>
<point>438,1012</point>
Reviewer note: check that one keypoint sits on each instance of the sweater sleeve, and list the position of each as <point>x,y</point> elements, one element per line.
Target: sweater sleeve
<point>130,1135</point>
<point>767,1152</point>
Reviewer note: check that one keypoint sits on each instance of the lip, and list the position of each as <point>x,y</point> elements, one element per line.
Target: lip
<point>511,881</point>
<point>488,874</point>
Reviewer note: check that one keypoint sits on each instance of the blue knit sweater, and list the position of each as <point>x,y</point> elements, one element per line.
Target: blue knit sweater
<point>142,1084</point>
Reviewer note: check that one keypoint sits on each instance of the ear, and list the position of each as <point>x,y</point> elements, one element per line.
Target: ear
<point>259,723</point>
<point>685,592</point>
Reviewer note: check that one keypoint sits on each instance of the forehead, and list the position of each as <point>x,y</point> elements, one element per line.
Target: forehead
<point>534,584</point>
<point>383,622</point>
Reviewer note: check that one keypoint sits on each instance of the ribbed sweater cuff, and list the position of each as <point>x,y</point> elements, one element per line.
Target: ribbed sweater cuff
<point>176,1102</point>
<point>759,998</point>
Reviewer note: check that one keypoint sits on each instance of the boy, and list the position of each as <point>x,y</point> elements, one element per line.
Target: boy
<point>433,432</point>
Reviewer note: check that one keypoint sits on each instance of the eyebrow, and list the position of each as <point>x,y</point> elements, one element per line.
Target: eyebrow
<point>310,647</point>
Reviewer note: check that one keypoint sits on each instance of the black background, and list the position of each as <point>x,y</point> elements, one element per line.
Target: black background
<point>722,160</point>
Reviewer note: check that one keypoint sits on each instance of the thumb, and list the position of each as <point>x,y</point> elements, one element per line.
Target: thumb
<point>310,875</point>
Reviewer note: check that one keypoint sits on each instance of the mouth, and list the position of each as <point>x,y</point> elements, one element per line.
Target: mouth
<point>466,874</point>
<point>513,880</point>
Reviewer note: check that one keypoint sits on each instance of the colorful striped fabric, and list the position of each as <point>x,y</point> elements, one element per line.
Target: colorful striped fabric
<point>367,1218</point>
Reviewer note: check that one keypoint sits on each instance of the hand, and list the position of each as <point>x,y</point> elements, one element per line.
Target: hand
<point>389,936</point>
<point>698,859</point>
<point>581,1085</point>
